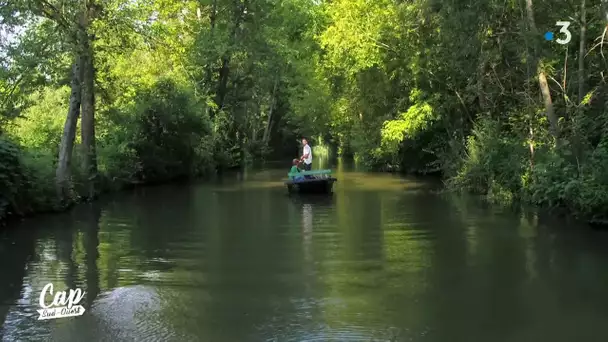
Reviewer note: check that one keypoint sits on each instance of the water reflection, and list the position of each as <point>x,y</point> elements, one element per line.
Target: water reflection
<point>307,230</point>
<point>61,250</point>
<point>16,248</point>
<point>381,259</point>
<point>90,235</point>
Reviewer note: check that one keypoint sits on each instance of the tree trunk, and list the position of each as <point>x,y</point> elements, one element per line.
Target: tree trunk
<point>530,15</point>
<point>213,15</point>
<point>63,182</point>
<point>239,10</point>
<point>575,134</point>
<point>542,77</point>
<point>223,82</point>
<point>270,111</point>
<point>529,114</point>
<point>544,88</point>
<point>531,145</point>
<point>212,20</point>
<point>481,83</point>
<point>89,164</point>
<point>581,54</point>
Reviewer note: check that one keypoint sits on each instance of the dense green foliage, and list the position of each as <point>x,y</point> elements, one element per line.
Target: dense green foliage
<point>466,89</point>
<point>473,91</point>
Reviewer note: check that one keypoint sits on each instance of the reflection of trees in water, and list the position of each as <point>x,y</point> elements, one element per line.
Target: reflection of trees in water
<point>307,234</point>
<point>42,251</point>
<point>353,269</point>
<point>245,281</point>
<point>139,231</point>
<point>307,206</point>
<point>389,251</point>
<point>90,229</point>
<point>307,220</point>
<point>479,264</point>
<point>360,224</point>
<point>16,248</point>
<point>64,237</point>
<point>163,217</point>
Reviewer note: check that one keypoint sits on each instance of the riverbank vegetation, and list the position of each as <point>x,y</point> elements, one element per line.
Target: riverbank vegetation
<point>101,94</point>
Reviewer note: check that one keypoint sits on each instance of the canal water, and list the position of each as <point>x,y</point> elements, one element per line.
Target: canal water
<point>384,259</point>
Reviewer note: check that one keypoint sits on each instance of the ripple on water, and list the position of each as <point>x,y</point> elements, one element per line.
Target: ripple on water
<point>323,332</point>
<point>133,313</point>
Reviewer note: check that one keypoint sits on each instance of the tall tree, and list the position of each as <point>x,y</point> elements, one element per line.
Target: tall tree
<point>542,76</point>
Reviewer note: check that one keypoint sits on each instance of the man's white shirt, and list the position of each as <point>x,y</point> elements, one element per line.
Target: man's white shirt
<point>308,151</point>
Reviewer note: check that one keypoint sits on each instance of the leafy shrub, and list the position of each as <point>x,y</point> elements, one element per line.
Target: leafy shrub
<point>165,135</point>
<point>117,158</point>
<point>39,192</point>
<point>582,189</point>
<point>494,163</point>
<point>11,176</point>
<point>226,154</point>
<point>41,125</point>
<point>26,180</point>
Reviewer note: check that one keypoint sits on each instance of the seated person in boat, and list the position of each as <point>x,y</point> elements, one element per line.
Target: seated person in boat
<point>295,169</point>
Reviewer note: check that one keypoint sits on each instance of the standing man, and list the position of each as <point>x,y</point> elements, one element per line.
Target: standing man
<point>306,155</point>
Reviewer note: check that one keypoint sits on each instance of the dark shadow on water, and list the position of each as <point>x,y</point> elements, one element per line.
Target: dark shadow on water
<point>90,229</point>
<point>16,249</point>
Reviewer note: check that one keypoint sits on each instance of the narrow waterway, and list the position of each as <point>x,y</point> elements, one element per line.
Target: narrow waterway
<point>384,259</point>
